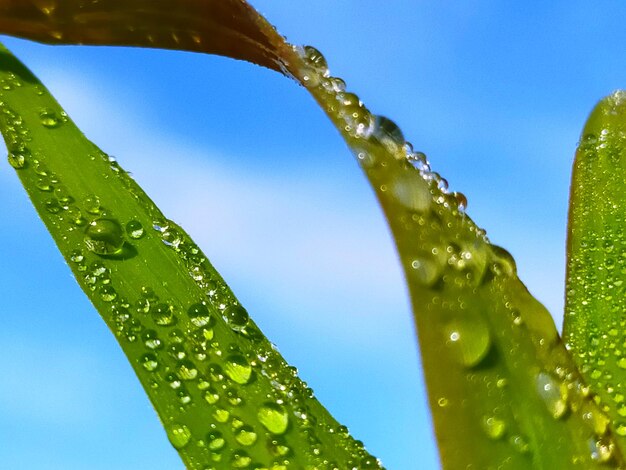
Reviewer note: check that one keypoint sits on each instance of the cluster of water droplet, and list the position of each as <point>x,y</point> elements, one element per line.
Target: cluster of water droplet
<point>207,355</point>
<point>370,134</point>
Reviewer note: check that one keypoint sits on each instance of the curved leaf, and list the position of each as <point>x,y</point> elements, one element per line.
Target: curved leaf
<point>224,394</point>
<point>501,385</point>
<point>596,249</point>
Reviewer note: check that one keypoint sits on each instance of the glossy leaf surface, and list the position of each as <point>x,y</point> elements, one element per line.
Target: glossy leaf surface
<point>596,271</point>
<point>225,396</point>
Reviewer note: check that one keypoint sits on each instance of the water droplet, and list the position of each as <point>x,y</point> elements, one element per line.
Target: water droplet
<point>17,159</point>
<point>199,315</point>
<point>412,194</point>
<point>149,362</point>
<point>246,436</point>
<point>108,293</point>
<point>49,118</point>
<point>187,370</point>
<point>151,339</point>
<point>134,229</point>
<point>240,459</point>
<point>388,134</point>
<point>163,315</point>
<point>493,427</point>
<point>215,441</point>
<point>602,450</point>
<point>519,444</point>
<point>221,415</point>
<point>236,316</point>
<point>550,391</point>
<point>92,205</point>
<point>104,237</point>
<point>315,60</point>
<point>427,267</point>
<point>179,435</point>
<point>468,338</point>
<point>502,262</point>
<point>53,206</point>
<point>274,418</point>
<point>238,369</point>
<point>211,396</point>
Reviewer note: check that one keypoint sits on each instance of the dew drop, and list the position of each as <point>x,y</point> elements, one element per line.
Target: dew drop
<point>179,435</point>
<point>92,205</point>
<point>502,262</point>
<point>134,229</point>
<point>602,450</point>
<point>211,396</point>
<point>468,338</point>
<point>149,362</point>
<point>163,315</point>
<point>215,441</point>
<point>273,417</point>
<point>50,118</point>
<point>199,315</point>
<point>550,392</point>
<point>410,193</point>
<point>108,293</point>
<point>388,134</point>
<point>315,60</point>
<point>17,159</point>
<point>238,369</point>
<point>493,427</point>
<point>236,316</point>
<point>221,415</point>
<point>104,237</point>
<point>246,436</point>
<point>240,459</point>
<point>187,370</point>
<point>151,339</point>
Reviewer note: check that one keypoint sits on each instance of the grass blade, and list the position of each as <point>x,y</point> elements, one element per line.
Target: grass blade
<point>225,396</point>
<point>509,386</point>
<point>596,273</point>
<point>227,27</point>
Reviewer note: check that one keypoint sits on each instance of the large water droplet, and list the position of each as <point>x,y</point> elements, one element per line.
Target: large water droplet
<point>238,369</point>
<point>413,195</point>
<point>314,59</point>
<point>388,134</point>
<point>236,316</point>
<point>17,159</point>
<point>179,435</point>
<point>468,338</point>
<point>551,393</point>
<point>104,237</point>
<point>215,441</point>
<point>163,315</point>
<point>274,418</point>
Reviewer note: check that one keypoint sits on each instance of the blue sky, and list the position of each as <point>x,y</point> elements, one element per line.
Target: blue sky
<point>495,93</point>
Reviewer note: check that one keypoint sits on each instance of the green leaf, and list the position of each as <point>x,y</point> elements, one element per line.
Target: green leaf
<point>596,268</point>
<point>502,388</point>
<point>226,398</point>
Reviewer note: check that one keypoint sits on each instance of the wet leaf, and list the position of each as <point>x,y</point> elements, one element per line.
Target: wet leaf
<point>224,394</point>
<point>594,326</point>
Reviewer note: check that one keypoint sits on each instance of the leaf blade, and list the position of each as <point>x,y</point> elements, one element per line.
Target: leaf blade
<point>593,322</point>
<point>225,396</point>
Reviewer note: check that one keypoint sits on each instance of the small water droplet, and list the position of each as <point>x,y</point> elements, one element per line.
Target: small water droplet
<point>602,450</point>
<point>238,369</point>
<point>108,293</point>
<point>92,205</point>
<point>134,229</point>
<point>211,396</point>
<point>149,361</point>
<point>104,237</point>
<point>199,315</point>
<point>240,459</point>
<point>493,427</point>
<point>550,391</point>
<point>151,339</point>
<point>388,134</point>
<point>468,338</point>
<point>221,415</point>
<point>163,314</point>
<point>315,60</point>
<point>215,441</point>
<point>246,436</point>
<point>187,370</point>
<point>49,118</point>
<point>179,435</point>
<point>17,159</point>
<point>273,417</point>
